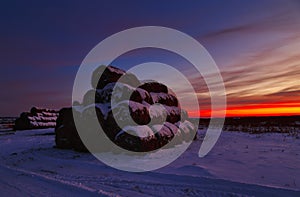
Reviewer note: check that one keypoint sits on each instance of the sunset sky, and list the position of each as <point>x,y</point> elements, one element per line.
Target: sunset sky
<point>256,45</point>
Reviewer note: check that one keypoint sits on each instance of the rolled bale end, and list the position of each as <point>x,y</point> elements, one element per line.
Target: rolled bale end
<point>163,134</point>
<point>129,79</point>
<point>140,95</point>
<point>136,138</point>
<point>127,111</point>
<point>173,114</point>
<point>154,86</point>
<point>188,130</point>
<point>164,98</point>
<point>104,75</point>
<point>139,113</point>
<point>115,93</point>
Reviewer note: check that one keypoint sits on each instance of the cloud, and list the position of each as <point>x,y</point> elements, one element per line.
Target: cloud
<point>263,75</point>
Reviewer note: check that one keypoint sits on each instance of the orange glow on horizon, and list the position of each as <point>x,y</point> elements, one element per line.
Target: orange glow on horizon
<point>272,109</point>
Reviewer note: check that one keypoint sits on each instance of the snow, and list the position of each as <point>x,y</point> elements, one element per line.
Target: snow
<point>240,164</point>
<point>119,92</point>
<point>50,114</point>
<point>157,113</point>
<point>161,96</point>
<point>41,118</point>
<point>142,131</point>
<point>115,70</point>
<point>144,94</point>
<point>162,130</point>
<point>35,124</point>
<point>186,127</point>
<point>116,91</point>
<point>172,110</point>
<point>173,127</point>
<point>123,107</point>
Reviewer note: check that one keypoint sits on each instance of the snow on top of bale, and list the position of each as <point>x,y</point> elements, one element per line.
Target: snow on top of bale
<point>164,98</point>
<point>154,86</point>
<point>39,110</point>
<point>163,130</point>
<point>36,118</point>
<point>142,131</point>
<point>115,70</point>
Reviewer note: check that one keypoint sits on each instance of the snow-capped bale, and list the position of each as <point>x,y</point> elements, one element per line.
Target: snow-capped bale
<point>90,97</point>
<point>42,119</point>
<point>104,75</point>
<point>37,118</point>
<point>112,74</point>
<point>158,114</point>
<point>130,79</point>
<point>49,114</point>
<point>162,113</point>
<point>164,98</point>
<point>140,95</point>
<point>154,87</point>
<point>126,111</point>
<point>184,115</point>
<point>117,92</point>
<point>139,113</point>
<point>136,138</point>
<point>173,114</point>
<point>187,130</point>
<point>163,134</point>
<point>175,130</point>
<point>35,110</point>
<point>122,115</point>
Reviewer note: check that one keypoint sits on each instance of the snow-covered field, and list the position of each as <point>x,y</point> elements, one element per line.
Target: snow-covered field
<point>240,164</point>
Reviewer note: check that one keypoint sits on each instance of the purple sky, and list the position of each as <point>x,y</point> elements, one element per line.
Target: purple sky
<point>44,42</point>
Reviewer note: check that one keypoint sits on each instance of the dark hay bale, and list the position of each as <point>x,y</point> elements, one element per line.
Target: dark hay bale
<point>164,98</point>
<point>154,87</point>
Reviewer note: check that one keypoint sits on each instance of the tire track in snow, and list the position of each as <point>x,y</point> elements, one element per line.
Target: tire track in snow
<point>50,180</point>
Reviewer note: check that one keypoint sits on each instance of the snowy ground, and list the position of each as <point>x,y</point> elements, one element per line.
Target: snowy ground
<point>239,165</point>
